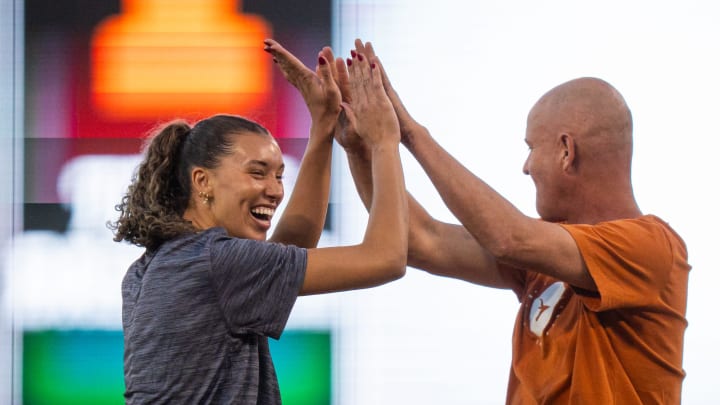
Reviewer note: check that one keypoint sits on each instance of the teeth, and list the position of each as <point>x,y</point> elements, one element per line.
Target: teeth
<point>263,211</point>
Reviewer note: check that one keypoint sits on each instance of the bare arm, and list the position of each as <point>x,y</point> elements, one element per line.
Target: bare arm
<point>515,241</point>
<point>303,218</point>
<point>434,246</point>
<point>382,255</point>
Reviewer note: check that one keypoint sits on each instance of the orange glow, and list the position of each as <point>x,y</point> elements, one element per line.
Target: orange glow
<point>179,57</point>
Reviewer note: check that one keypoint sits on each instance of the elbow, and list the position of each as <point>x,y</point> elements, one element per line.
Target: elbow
<point>399,258</point>
<point>391,267</point>
<point>387,256</point>
<point>501,251</point>
<point>392,274</point>
<point>398,268</point>
<point>514,240</point>
<point>505,249</point>
<point>515,249</point>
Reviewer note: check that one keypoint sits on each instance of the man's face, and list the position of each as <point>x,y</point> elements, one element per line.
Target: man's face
<point>544,165</point>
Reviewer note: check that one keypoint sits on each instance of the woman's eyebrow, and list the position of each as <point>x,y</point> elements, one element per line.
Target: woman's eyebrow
<point>263,164</point>
<point>258,162</point>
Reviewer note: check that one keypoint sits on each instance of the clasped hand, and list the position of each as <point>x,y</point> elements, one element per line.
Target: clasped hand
<point>347,99</point>
<point>368,108</point>
<point>319,88</point>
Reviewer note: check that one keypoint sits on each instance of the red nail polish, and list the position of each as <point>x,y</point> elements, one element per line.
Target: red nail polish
<point>349,62</point>
<point>353,53</point>
<point>372,66</point>
<point>360,57</point>
<point>321,61</point>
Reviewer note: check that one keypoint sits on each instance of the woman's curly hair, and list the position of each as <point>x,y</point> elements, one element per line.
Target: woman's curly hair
<point>151,212</point>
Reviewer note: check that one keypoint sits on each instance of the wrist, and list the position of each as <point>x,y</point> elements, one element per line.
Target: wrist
<point>383,146</point>
<point>411,133</point>
<point>358,151</point>
<point>322,129</point>
<point>324,116</point>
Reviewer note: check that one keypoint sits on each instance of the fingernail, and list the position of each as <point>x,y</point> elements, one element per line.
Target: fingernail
<point>372,66</point>
<point>349,62</point>
<point>353,53</point>
<point>360,57</point>
<point>321,60</point>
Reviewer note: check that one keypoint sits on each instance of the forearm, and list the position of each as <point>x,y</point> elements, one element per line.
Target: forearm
<point>304,216</point>
<point>387,230</point>
<point>419,221</point>
<point>422,228</point>
<point>381,257</point>
<point>492,220</point>
<point>360,163</point>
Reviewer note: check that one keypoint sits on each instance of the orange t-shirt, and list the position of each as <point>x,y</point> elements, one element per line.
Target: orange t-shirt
<point>622,345</point>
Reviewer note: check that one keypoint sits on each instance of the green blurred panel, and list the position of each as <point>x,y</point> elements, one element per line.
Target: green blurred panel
<point>86,367</point>
<point>303,364</point>
<point>73,367</point>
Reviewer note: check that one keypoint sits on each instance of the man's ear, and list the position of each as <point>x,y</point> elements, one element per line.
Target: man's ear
<point>568,152</point>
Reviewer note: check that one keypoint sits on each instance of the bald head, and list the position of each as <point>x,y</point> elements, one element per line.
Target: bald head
<point>580,139</point>
<point>593,112</point>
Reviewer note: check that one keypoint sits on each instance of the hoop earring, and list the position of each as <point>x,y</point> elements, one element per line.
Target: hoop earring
<point>205,197</point>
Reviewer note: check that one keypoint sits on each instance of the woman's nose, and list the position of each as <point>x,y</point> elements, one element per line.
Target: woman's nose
<point>275,189</point>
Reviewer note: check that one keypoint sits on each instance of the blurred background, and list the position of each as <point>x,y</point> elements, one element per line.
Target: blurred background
<point>82,82</point>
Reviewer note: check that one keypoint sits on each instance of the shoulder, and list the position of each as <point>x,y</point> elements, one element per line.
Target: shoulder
<point>222,247</point>
<point>646,239</point>
<point>647,228</point>
<point>670,235</point>
<point>188,245</point>
<point>208,238</point>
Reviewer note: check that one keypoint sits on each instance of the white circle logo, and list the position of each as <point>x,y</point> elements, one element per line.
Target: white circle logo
<point>543,307</point>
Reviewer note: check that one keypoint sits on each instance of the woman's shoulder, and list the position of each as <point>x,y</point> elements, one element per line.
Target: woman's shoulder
<point>217,242</point>
<point>190,244</point>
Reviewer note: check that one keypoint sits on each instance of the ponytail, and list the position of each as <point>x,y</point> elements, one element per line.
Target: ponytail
<point>151,210</point>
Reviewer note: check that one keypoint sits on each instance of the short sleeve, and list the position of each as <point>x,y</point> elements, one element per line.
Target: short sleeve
<point>257,282</point>
<point>629,260</point>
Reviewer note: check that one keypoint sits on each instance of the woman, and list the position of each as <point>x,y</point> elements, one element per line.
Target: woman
<point>201,302</point>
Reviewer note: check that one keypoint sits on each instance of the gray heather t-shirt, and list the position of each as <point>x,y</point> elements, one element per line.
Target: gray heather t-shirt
<point>197,313</point>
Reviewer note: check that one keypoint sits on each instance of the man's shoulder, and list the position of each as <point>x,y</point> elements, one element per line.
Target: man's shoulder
<point>645,225</point>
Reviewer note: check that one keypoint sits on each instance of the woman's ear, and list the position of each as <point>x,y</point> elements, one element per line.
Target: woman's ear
<point>568,152</point>
<point>199,180</point>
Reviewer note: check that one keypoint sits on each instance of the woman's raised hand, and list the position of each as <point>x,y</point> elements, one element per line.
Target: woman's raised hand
<point>318,88</point>
<point>369,109</point>
<point>345,132</point>
<point>407,123</point>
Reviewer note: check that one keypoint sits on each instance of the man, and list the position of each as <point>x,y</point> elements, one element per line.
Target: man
<point>602,287</point>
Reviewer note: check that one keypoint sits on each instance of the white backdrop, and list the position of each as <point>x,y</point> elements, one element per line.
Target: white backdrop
<point>470,71</point>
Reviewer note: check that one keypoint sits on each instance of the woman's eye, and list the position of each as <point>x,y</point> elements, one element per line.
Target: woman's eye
<point>280,177</point>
